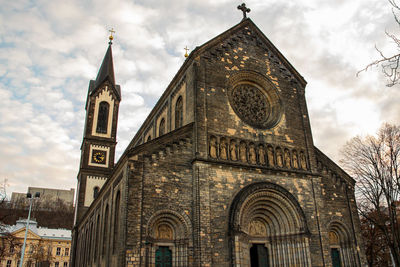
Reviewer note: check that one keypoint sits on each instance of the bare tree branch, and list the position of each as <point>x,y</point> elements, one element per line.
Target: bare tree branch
<point>390,64</point>
<point>374,161</point>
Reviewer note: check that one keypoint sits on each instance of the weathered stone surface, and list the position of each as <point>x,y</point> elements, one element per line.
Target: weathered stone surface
<point>209,191</point>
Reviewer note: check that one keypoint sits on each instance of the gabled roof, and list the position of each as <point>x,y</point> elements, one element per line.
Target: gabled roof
<point>36,232</point>
<point>106,73</point>
<point>240,26</point>
<point>21,233</point>
<point>198,51</point>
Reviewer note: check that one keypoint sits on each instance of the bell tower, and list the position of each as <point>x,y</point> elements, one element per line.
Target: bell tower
<point>99,136</point>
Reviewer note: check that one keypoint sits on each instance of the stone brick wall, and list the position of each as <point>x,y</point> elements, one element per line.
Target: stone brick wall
<point>160,188</point>
<point>183,194</point>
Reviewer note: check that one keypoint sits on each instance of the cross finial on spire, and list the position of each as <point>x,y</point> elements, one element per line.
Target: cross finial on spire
<point>244,9</point>
<point>111,37</point>
<point>186,50</point>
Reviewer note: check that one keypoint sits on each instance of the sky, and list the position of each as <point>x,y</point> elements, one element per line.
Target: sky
<point>49,50</point>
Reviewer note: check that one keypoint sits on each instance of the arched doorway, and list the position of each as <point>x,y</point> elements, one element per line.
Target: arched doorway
<point>335,249</point>
<point>341,246</point>
<point>268,228</point>
<point>168,239</point>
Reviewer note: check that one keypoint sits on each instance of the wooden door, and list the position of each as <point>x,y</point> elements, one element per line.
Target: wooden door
<point>163,257</point>
<point>335,254</point>
<point>259,256</point>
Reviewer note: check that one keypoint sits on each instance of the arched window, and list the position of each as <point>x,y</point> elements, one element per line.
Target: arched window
<point>179,113</point>
<point>116,221</point>
<point>91,233</point>
<point>161,128</point>
<point>96,190</point>
<point>84,247</point>
<point>97,237</point>
<point>102,117</point>
<point>88,244</point>
<point>148,138</point>
<point>105,231</point>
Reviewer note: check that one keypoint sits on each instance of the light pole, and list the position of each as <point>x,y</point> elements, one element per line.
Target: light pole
<point>28,195</point>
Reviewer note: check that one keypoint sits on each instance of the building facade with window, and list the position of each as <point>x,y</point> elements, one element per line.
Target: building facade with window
<point>223,172</point>
<point>49,195</point>
<point>44,247</point>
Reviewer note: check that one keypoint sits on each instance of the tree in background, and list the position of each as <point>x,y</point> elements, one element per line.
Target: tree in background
<point>48,213</point>
<point>374,162</point>
<point>376,250</point>
<point>390,64</point>
<point>39,253</point>
<point>9,245</point>
<point>3,203</point>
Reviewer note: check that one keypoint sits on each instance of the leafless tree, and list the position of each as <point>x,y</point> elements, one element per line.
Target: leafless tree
<point>39,253</point>
<point>376,250</point>
<point>374,161</point>
<point>9,245</point>
<point>3,203</point>
<point>390,64</point>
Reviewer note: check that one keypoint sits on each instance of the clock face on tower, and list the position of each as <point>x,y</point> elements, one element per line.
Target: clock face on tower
<point>99,156</point>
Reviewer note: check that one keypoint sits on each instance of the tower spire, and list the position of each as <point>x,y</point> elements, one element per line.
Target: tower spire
<point>100,133</point>
<point>107,69</point>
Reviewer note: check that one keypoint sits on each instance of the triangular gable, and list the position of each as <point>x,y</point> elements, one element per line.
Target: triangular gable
<point>260,39</point>
<point>199,51</point>
<point>20,233</point>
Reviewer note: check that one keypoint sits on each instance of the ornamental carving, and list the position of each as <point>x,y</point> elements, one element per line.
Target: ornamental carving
<point>256,153</point>
<point>250,104</point>
<point>164,232</point>
<point>257,228</point>
<point>254,99</point>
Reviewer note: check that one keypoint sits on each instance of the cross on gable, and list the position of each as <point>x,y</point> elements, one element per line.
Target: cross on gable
<point>244,10</point>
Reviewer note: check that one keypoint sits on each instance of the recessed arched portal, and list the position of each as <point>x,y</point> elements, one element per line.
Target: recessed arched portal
<point>341,245</point>
<point>268,228</point>
<point>168,239</point>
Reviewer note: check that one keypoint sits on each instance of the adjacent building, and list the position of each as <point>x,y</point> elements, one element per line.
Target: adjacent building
<point>44,246</point>
<point>48,195</point>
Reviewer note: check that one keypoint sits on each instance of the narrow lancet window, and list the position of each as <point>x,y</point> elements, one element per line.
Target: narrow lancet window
<point>179,113</point>
<point>102,117</point>
<point>116,221</point>
<point>105,231</point>
<point>161,128</point>
<point>96,190</point>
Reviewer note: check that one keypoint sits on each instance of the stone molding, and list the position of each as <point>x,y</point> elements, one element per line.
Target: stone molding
<point>247,152</point>
<point>257,190</point>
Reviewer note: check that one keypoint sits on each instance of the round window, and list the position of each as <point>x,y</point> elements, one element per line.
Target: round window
<point>255,100</point>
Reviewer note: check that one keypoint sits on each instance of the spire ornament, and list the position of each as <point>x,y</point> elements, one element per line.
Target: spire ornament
<point>186,51</point>
<point>244,10</point>
<point>111,37</point>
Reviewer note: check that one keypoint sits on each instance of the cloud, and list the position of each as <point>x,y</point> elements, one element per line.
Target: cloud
<point>51,49</point>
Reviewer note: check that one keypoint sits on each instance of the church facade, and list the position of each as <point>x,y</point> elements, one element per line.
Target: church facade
<point>223,172</point>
